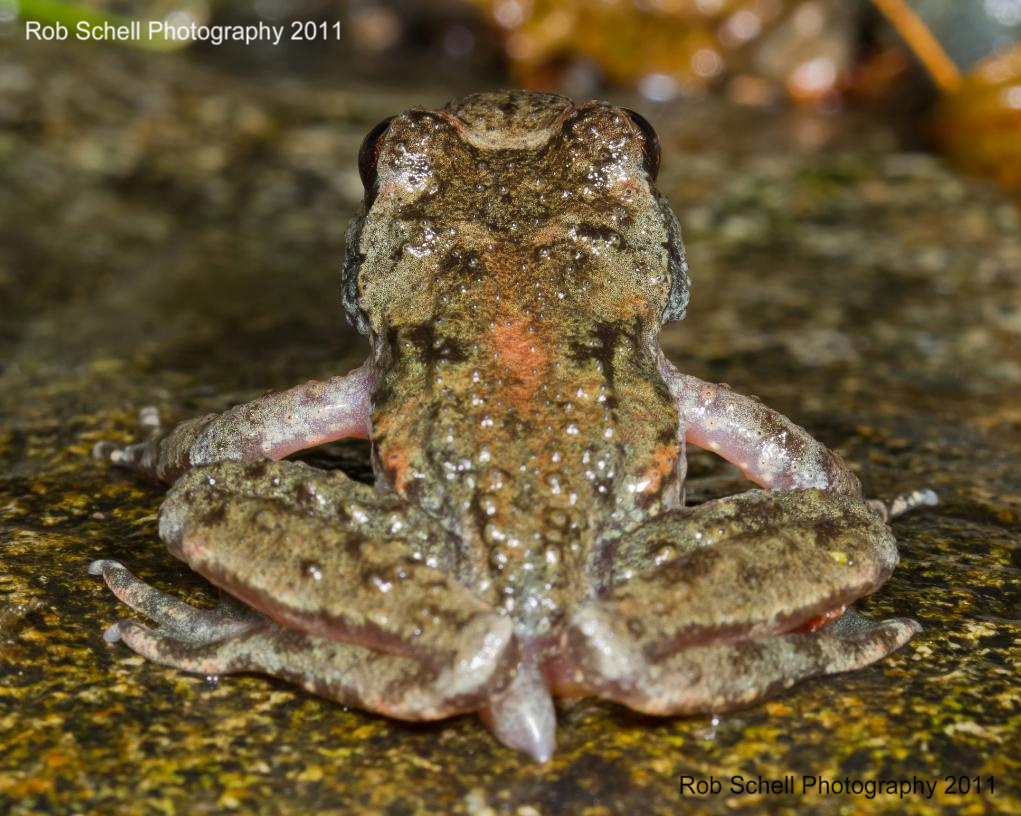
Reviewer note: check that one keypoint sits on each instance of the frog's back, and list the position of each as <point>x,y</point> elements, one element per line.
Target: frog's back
<point>515,267</point>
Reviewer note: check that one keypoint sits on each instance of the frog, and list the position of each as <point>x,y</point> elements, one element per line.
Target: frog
<point>527,537</point>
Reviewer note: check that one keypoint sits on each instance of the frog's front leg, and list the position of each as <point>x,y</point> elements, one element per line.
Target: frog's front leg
<point>766,446</point>
<point>272,426</point>
<point>740,605</point>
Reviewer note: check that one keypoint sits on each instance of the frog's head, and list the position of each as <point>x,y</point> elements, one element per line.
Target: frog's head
<point>508,204</point>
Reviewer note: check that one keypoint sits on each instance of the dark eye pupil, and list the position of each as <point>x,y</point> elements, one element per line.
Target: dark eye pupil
<point>648,140</point>
<point>368,153</point>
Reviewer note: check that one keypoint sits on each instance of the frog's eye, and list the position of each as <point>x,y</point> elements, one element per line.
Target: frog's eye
<point>368,153</point>
<point>648,140</point>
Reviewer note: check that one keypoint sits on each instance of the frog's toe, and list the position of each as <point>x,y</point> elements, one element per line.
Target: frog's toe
<point>905,503</point>
<point>120,455</point>
<point>188,655</point>
<point>393,685</point>
<point>721,677</point>
<point>132,455</point>
<point>149,419</point>
<point>176,618</point>
<point>224,655</point>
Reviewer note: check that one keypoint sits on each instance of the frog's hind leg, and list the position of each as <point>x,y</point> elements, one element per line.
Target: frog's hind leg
<point>316,552</point>
<point>349,587</point>
<point>728,676</point>
<point>740,603</point>
<point>233,638</point>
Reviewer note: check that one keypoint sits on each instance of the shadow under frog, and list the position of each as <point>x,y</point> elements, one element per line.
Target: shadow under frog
<point>512,263</point>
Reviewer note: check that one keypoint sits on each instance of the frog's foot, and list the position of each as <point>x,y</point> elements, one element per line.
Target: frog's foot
<point>134,456</point>
<point>740,604</point>
<point>177,619</point>
<point>272,426</point>
<point>905,503</point>
<point>234,638</point>
<point>722,677</point>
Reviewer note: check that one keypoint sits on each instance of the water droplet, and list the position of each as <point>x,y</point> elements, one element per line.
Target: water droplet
<point>493,534</point>
<point>356,512</point>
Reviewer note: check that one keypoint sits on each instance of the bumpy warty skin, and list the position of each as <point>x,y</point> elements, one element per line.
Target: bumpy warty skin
<point>512,264</point>
<point>513,272</point>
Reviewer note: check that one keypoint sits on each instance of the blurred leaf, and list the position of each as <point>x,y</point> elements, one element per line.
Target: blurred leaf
<point>979,125</point>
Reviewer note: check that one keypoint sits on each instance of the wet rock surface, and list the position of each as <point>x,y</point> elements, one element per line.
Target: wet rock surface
<point>171,234</point>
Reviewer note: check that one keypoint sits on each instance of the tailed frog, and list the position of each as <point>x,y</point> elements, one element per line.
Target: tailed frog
<point>526,537</point>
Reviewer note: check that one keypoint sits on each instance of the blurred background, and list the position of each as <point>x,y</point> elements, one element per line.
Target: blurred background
<point>948,73</point>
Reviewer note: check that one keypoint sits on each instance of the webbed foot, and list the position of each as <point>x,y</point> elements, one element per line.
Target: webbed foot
<point>234,638</point>
<point>746,596</point>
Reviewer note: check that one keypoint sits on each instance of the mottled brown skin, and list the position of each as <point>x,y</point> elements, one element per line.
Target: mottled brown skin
<point>515,328</point>
<point>512,265</point>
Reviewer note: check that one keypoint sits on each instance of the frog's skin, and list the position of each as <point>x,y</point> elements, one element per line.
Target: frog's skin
<point>526,536</point>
